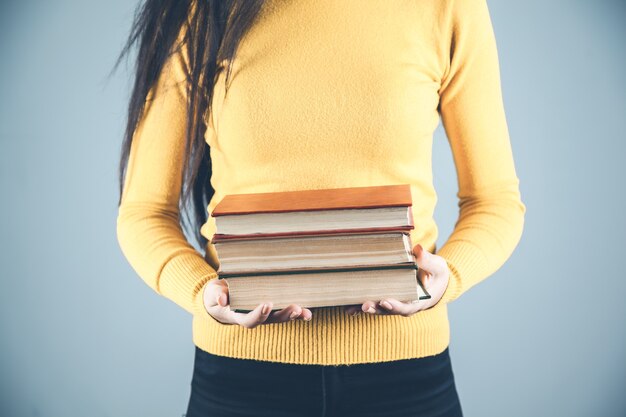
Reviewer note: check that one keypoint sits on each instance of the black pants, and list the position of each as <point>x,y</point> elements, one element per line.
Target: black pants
<point>223,386</point>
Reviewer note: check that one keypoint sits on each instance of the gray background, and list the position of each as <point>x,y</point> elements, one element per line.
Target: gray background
<point>82,335</point>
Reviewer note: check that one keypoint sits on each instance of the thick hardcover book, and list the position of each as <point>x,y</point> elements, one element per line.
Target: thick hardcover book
<point>323,199</point>
<point>334,210</point>
<point>249,256</point>
<point>325,288</point>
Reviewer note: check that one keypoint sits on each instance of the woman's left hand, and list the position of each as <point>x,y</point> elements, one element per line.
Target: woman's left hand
<point>433,273</point>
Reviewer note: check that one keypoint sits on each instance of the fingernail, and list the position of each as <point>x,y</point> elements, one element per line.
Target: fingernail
<point>266,308</point>
<point>308,318</point>
<point>371,310</point>
<point>386,305</point>
<point>293,315</point>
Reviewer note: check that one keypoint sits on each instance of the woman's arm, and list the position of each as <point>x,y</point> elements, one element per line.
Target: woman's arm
<point>491,213</point>
<point>148,227</point>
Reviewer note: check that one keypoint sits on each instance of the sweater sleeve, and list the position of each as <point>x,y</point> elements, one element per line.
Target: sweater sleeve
<point>491,213</point>
<point>148,227</point>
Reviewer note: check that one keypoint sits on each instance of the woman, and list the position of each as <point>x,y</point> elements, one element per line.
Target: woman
<point>249,96</point>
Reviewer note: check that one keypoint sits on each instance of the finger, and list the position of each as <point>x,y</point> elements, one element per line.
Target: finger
<point>290,312</point>
<point>352,310</point>
<point>216,293</point>
<point>394,306</point>
<point>425,278</point>
<point>255,317</point>
<point>285,314</point>
<point>371,307</point>
<point>427,261</point>
<point>222,296</point>
<point>306,315</point>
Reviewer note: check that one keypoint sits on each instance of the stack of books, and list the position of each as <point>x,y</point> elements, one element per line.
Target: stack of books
<point>317,248</point>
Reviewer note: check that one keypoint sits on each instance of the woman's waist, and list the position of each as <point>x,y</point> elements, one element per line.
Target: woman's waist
<point>331,337</point>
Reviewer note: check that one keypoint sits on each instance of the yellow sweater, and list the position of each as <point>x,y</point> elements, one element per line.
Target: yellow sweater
<point>335,94</point>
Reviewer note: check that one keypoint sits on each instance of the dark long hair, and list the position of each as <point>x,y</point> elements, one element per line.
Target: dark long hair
<point>211,32</point>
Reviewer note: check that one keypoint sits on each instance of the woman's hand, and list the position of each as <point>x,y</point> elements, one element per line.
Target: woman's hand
<point>433,273</point>
<point>216,303</point>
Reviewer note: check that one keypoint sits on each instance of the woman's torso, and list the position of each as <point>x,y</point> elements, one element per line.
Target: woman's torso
<point>330,94</point>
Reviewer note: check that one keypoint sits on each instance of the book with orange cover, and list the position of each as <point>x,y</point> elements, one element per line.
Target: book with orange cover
<point>381,208</point>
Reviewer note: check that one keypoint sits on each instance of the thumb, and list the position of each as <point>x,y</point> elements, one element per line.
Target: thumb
<point>222,296</point>
<point>427,261</point>
<point>216,293</point>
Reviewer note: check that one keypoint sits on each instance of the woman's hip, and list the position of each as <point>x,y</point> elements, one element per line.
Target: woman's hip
<point>226,386</point>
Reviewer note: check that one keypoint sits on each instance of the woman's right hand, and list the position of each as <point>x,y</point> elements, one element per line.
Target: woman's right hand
<point>216,303</point>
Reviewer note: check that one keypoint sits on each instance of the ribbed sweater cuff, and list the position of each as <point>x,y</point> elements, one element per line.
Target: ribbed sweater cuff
<point>182,280</point>
<point>466,264</point>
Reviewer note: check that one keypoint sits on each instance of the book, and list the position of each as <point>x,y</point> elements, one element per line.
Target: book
<point>317,248</point>
<point>373,208</point>
<point>253,255</point>
<point>324,288</point>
